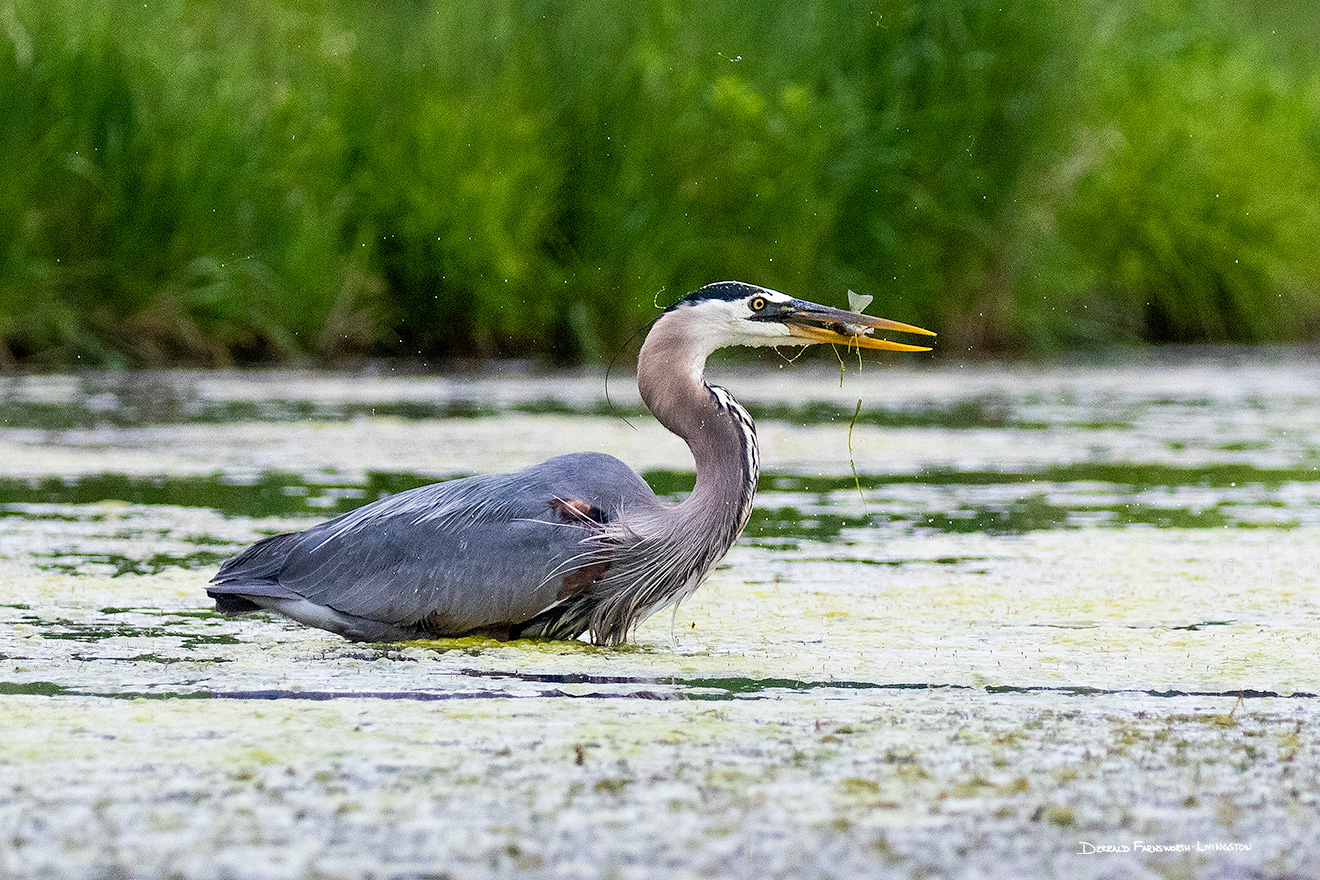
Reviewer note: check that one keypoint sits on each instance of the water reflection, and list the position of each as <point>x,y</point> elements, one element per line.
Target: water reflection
<point>112,524</point>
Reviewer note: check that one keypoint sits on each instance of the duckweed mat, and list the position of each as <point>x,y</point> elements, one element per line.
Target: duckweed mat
<point>1067,628</point>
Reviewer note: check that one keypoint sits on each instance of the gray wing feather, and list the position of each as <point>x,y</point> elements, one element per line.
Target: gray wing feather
<point>450,557</point>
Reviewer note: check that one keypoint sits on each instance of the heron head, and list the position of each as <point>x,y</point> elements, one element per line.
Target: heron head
<point>734,313</point>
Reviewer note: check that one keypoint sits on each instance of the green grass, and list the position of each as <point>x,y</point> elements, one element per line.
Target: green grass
<point>207,183</point>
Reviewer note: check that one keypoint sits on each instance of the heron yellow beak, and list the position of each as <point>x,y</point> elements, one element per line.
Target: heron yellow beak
<point>816,323</point>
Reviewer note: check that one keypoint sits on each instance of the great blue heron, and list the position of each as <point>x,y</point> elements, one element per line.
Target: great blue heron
<point>577,544</point>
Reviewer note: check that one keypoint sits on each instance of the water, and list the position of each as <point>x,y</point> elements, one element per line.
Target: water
<point>1056,604</point>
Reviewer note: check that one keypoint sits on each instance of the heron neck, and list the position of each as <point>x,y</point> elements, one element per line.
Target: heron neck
<point>671,378</point>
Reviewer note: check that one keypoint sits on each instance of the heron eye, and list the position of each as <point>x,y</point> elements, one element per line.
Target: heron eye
<point>758,304</point>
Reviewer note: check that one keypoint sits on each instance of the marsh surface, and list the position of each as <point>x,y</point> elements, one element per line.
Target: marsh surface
<point>1055,606</point>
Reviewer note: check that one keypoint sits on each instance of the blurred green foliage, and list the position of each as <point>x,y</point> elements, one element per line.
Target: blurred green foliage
<point>200,182</point>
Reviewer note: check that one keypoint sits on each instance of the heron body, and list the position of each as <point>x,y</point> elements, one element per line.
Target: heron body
<point>575,545</point>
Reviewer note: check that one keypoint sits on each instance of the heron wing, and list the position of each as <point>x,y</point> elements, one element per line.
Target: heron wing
<point>449,557</point>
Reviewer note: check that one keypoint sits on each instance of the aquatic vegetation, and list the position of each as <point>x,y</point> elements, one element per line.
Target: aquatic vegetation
<point>1026,636</point>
